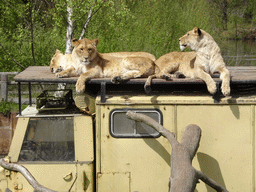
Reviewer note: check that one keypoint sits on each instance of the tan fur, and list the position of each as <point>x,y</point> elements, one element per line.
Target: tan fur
<point>208,60</point>
<point>176,62</point>
<point>58,62</point>
<point>61,62</point>
<point>89,63</point>
<point>131,54</point>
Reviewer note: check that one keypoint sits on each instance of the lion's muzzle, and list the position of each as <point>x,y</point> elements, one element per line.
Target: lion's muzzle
<point>182,45</point>
<point>86,61</point>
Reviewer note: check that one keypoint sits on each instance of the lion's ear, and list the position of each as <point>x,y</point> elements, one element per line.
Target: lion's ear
<point>95,42</point>
<point>197,31</point>
<point>57,51</point>
<point>74,42</point>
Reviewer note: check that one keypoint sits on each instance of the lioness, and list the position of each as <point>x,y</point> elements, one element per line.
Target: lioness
<point>89,63</point>
<point>176,63</point>
<point>61,62</point>
<point>208,59</point>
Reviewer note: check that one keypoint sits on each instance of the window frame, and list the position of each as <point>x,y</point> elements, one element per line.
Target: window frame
<point>50,118</point>
<point>135,135</point>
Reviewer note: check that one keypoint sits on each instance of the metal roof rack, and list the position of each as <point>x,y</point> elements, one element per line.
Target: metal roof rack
<point>243,79</point>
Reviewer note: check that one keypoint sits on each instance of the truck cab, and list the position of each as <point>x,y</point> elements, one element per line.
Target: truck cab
<point>50,146</point>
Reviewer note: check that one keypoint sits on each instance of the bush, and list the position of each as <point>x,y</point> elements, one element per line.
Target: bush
<point>7,107</point>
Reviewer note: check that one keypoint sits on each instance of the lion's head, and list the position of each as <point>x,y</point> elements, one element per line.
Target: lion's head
<point>85,49</point>
<point>55,62</point>
<point>190,39</point>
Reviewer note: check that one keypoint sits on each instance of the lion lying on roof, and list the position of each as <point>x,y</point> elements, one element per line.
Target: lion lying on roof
<point>61,62</point>
<point>87,62</point>
<point>200,64</point>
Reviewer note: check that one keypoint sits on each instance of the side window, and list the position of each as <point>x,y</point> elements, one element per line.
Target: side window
<point>122,127</point>
<point>49,139</point>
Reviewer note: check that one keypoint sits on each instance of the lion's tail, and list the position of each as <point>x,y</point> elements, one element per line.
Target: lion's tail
<point>147,86</point>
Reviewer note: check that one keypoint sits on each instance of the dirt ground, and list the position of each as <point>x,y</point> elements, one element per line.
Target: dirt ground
<point>7,126</point>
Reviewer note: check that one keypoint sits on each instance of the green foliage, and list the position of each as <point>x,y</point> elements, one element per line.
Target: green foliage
<point>148,25</point>
<point>120,25</point>
<point>6,107</point>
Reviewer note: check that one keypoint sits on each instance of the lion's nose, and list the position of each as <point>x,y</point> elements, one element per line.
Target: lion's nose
<point>52,69</point>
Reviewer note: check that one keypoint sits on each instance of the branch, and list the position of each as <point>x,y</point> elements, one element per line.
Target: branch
<point>152,123</point>
<point>191,138</point>
<point>19,168</point>
<point>89,18</point>
<point>86,23</point>
<point>18,12</point>
<point>184,176</point>
<point>40,5</point>
<point>98,8</point>
<point>32,31</point>
<point>12,58</point>
<point>210,182</point>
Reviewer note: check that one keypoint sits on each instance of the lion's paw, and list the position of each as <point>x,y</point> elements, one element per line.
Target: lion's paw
<point>167,77</point>
<point>80,86</point>
<point>116,79</point>
<point>60,75</point>
<point>179,75</point>
<point>212,88</point>
<point>225,89</point>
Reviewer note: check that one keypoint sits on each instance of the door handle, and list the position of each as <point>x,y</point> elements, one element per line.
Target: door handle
<point>68,177</point>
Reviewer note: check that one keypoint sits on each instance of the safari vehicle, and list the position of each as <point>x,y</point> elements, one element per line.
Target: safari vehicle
<point>96,148</point>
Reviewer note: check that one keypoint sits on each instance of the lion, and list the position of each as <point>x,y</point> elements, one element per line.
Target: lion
<point>200,63</point>
<point>176,64</point>
<point>131,54</point>
<point>87,62</point>
<point>61,62</point>
<point>207,61</point>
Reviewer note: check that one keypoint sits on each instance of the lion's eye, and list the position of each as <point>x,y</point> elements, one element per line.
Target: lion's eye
<point>89,49</point>
<point>81,49</point>
<point>188,34</point>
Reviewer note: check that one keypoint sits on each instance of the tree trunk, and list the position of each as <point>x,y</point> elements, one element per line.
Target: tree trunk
<point>86,23</point>
<point>184,176</point>
<point>19,168</point>
<point>70,29</point>
<point>225,14</point>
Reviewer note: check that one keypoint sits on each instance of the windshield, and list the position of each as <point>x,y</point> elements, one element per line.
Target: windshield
<point>49,139</point>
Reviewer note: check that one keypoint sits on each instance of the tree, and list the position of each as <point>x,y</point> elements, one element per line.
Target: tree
<point>70,23</point>
<point>19,168</point>
<point>28,27</point>
<point>184,176</point>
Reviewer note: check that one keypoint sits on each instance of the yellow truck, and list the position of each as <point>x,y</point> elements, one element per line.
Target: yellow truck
<point>98,149</point>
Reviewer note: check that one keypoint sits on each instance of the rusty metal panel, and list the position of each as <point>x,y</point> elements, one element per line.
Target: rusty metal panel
<point>5,139</point>
<point>86,103</point>
<point>7,127</point>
